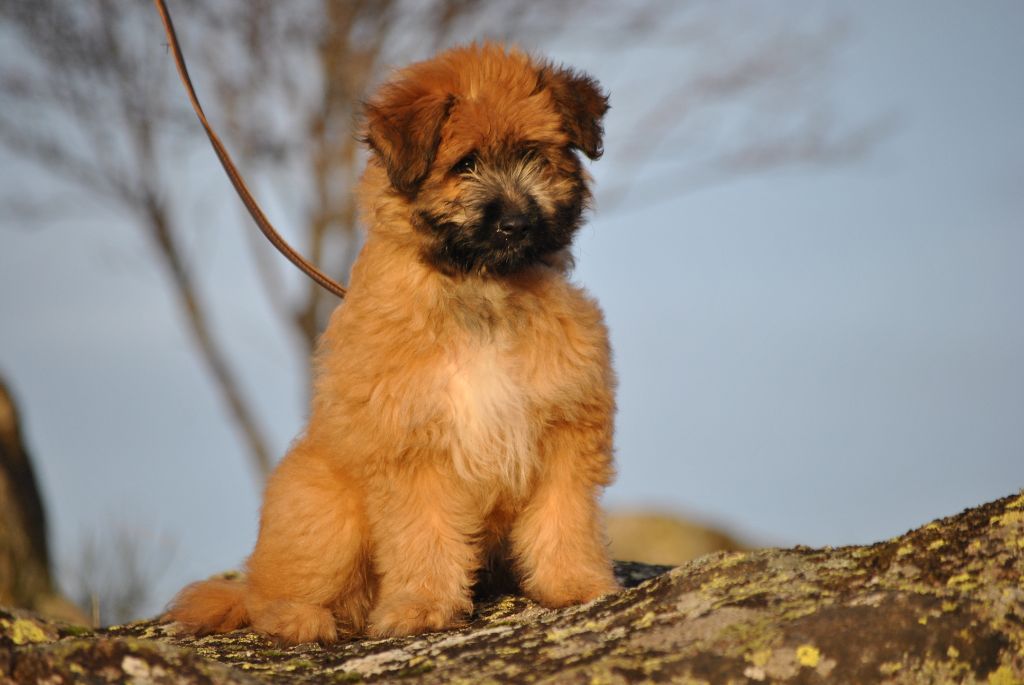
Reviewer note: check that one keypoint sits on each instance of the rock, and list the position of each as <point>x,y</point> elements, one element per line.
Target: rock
<point>940,604</point>
<point>25,578</point>
<point>24,557</point>
<point>659,538</point>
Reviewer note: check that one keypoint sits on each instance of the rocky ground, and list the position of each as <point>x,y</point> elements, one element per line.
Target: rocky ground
<point>941,604</point>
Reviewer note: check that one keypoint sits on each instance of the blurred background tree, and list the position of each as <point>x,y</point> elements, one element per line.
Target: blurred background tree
<point>93,100</point>
<point>90,102</point>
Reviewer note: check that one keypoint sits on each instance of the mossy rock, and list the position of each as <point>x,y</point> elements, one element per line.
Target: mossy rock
<point>940,604</point>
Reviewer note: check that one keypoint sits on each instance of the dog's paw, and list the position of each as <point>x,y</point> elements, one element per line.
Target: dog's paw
<point>411,617</point>
<point>293,623</point>
<point>571,590</point>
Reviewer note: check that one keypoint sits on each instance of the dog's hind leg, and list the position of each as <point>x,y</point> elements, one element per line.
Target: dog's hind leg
<point>308,573</point>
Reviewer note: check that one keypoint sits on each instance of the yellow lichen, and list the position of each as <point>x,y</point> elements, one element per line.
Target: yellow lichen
<point>24,631</point>
<point>1004,675</point>
<point>645,621</point>
<point>960,580</point>
<point>808,655</point>
<point>905,550</point>
<point>558,634</point>
<point>937,544</point>
<point>760,657</point>
<point>889,667</point>
<point>731,559</point>
<point>507,603</point>
<point>716,583</point>
<point>1008,517</point>
<point>923,620</point>
<point>952,652</point>
<point>1017,503</point>
<point>948,606</point>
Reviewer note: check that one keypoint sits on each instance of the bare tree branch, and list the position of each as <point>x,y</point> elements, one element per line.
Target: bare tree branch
<point>112,573</point>
<point>89,99</point>
<point>103,114</point>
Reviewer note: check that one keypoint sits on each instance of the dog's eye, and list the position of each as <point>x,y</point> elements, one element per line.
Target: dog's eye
<point>465,165</point>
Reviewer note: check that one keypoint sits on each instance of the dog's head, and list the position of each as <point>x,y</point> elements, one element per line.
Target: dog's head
<point>482,143</point>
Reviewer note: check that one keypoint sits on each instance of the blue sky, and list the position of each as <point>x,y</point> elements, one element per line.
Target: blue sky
<point>816,356</point>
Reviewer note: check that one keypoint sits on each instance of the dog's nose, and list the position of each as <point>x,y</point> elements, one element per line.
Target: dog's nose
<point>512,223</point>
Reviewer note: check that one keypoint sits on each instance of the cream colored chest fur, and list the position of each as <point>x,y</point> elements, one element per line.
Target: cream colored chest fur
<point>490,409</point>
<point>498,401</point>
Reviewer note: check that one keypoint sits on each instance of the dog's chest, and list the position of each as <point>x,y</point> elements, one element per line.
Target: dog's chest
<point>492,415</point>
<point>514,366</point>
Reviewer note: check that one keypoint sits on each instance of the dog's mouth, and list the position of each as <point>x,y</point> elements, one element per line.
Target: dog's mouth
<point>504,240</point>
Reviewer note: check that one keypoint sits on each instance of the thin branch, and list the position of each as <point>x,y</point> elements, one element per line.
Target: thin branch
<point>155,214</point>
<point>97,79</point>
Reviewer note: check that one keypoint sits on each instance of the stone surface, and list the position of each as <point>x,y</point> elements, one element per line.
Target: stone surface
<point>661,538</point>
<point>940,604</point>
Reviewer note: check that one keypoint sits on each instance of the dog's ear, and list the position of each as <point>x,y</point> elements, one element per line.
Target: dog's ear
<point>582,105</point>
<point>403,127</point>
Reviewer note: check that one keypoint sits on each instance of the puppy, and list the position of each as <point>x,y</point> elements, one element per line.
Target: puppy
<point>463,402</point>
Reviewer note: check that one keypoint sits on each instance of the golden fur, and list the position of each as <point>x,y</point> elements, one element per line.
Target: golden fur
<point>463,402</point>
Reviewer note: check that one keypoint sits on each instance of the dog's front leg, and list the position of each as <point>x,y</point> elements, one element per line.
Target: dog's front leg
<point>558,540</point>
<point>425,551</point>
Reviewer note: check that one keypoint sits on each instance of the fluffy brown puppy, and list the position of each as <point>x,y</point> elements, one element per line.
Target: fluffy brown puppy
<point>463,404</point>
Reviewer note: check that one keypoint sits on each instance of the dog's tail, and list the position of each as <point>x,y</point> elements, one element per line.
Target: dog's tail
<point>210,606</point>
